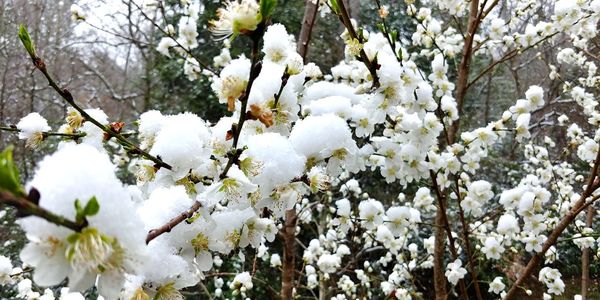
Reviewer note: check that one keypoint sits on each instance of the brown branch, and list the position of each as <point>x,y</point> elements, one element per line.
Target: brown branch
<point>441,219</point>
<point>289,230</point>
<point>580,205</point>
<point>154,233</point>
<point>372,66</point>
<point>289,255</point>
<point>439,279</point>
<point>465,65</point>
<point>467,240</point>
<point>27,206</point>
<point>68,97</point>
<point>585,257</point>
<point>308,21</point>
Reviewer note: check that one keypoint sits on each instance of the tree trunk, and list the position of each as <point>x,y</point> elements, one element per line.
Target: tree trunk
<point>308,21</point>
<point>465,66</point>
<point>585,257</point>
<point>289,257</point>
<point>439,279</point>
<point>289,229</point>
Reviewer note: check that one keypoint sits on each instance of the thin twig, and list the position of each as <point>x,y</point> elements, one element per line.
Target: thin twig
<point>371,65</point>
<point>154,233</point>
<point>47,133</point>
<point>68,97</point>
<point>163,31</point>
<point>27,207</point>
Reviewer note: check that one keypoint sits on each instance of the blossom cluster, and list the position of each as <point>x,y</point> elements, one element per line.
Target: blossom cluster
<point>296,139</point>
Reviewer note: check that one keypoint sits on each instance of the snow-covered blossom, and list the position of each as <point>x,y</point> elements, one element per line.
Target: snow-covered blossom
<point>508,224</point>
<point>478,193</point>
<point>232,81</point>
<point>56,252</point>
<point>275,260</point>
<point>182,141</point>
<point>5,270</point>
<point>371,213</point>
<point>31,129</point>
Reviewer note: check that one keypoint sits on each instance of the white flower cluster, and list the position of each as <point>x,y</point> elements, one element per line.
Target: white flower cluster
<point>18,277</point>
<point>294,140</point>
<point>31,129</point>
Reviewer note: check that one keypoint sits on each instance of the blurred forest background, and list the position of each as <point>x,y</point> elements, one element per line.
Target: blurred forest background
<point>110,61</point>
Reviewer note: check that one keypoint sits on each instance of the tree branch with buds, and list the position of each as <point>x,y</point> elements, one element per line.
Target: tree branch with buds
<point>344,17</point>
<point>68,97</point>
<point>27,206</point>
<point>77,135</point>
<point>235,153</point>
<point>593,184</point>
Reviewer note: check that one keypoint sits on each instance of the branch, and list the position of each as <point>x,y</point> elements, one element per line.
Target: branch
<point>109,87</point>
<point>288,231</point>
<point>442,217</point>
<point>284,80</point>
<point>514,53</point>
<point>465,231</point>
<point>234,154</point>
<point>465,65</point>
<point>308,22</point>
<point>28,207</point>
<point>68,97</point>
<point>371,65</point>
<point>187,51</point>
<point>13,128</point>
<point>154,233</point>
<point>579,206</point>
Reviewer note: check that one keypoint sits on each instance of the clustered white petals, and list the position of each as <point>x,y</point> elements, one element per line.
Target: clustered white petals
<point>298,140</point>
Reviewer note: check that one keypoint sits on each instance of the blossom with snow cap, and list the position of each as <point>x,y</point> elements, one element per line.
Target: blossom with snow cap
<point>31,129</point>
<point>104,248</point>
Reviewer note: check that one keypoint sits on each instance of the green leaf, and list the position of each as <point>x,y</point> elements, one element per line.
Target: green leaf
<point>26,40</point>
<point>335,6</point>
<point>395,35</point>
<point>79,214</point>
<point>266,8</point>
<point>73,237</point>
<point>92,207</point>
<point>9,174</point>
